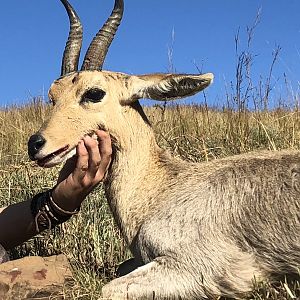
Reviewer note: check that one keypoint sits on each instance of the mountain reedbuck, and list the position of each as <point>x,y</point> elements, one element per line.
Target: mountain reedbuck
<point>196,231</point>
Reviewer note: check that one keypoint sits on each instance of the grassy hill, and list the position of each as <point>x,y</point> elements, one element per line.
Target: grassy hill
<point>90,240</point>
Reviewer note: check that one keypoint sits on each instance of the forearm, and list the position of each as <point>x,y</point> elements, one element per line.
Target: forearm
<point>16,224</point>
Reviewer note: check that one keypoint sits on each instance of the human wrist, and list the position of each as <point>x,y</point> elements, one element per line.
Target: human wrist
<point>65,200</point>
<point>45,217</point>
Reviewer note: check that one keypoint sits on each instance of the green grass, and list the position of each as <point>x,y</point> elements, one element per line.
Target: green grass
<point>90,240</point>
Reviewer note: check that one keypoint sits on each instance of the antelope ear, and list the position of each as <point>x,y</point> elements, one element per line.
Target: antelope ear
<point>165,87</point>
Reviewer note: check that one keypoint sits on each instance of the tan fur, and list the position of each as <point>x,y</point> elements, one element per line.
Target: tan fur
<point>196,231</point>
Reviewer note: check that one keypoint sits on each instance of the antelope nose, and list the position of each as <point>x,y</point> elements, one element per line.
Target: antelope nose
<point>35,143</point>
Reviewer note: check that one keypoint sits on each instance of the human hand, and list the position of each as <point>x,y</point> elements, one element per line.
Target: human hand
<point>82,173</point>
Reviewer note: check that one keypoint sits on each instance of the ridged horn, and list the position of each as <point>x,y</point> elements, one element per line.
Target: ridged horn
<point>98,48</point>
<point>73,45</point>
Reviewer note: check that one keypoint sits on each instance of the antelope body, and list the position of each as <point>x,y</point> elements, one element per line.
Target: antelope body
<point>196,231</point>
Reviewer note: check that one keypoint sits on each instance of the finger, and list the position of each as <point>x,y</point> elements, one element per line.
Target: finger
<point>105,149</point>
<point>94,156</point>
<point>82,162</point>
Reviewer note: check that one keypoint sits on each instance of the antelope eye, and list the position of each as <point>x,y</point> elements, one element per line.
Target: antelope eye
<point>93,95</point>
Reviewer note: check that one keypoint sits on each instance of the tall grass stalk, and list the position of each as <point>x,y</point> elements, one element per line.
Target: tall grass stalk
<point>90,240</point>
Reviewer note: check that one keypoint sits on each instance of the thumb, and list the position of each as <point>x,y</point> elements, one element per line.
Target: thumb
<point>67,169</point>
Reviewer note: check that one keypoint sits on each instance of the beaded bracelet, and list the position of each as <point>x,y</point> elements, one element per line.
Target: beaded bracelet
<point>46,213</point>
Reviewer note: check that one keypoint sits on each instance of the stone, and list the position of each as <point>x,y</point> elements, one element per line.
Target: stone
<point>3,255</point>
<point>35,277</point>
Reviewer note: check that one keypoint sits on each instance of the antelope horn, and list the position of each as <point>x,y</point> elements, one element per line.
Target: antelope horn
<point>98,48</point>
<point>73,45</point>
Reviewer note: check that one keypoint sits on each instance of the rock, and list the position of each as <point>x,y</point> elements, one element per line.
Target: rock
<point>3,255</point>
<point>34,277</point>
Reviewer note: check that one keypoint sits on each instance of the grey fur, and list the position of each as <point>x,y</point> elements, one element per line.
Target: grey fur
<point>204,230</point>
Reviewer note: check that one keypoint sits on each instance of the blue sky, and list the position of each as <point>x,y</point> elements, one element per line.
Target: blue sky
<point>33,36</point>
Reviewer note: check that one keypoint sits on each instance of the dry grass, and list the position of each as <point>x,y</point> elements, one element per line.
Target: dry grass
<point>90,240</point>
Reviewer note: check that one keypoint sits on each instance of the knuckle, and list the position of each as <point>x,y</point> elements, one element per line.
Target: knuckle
<point>107,152</point>
<point>105,136</point>
<point>83,153</point>
<point>97,164</point>
<point>93,143</point>
<point>84,168</point>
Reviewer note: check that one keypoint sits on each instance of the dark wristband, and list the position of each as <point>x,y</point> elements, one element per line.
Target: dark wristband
<point>45,216</point>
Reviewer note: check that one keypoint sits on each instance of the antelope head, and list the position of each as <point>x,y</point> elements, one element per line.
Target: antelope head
<point>92,98</point>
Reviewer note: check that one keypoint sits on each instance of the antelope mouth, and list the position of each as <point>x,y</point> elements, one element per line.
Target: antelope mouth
<point>53,158</point>
<point>60,155</point>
